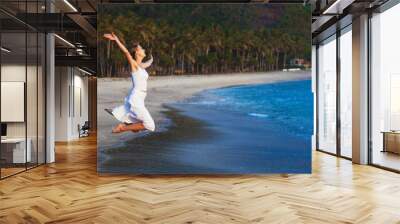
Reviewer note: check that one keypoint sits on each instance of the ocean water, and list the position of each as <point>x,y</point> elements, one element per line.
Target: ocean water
<point>287,104</point>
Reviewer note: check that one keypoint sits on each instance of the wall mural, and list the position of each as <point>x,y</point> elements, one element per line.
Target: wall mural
<point>204,89</point>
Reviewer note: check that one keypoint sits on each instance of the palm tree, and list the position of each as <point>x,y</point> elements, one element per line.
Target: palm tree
<point>196,39</point>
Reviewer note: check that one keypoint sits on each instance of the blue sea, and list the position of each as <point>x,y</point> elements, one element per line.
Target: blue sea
<point>251,129</point>
<point>288,104</point>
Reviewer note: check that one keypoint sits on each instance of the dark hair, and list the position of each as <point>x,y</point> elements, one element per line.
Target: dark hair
<point>134,46</point>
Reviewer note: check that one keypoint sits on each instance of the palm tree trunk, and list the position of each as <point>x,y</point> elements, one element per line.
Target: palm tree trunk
<point>284,60</point>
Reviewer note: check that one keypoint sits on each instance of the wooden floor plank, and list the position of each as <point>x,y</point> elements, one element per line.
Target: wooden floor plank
<point>71,191</point>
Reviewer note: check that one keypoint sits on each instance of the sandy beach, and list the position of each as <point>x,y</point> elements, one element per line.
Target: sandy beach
<point>169,89</point>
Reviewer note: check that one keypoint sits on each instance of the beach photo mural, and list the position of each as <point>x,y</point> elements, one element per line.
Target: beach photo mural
<point>204,89</point>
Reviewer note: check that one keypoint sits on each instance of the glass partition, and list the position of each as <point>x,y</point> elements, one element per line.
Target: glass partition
<point>31,97</point>
<point>22,91</point>
<point>14,145</point>
<point>41,97</point>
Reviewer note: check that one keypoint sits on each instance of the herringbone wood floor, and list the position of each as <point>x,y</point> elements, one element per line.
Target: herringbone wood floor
<point>70,191</point>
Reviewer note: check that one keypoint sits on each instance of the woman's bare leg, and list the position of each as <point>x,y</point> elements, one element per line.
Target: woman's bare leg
<point>136,127</point>
<point>118,128</point>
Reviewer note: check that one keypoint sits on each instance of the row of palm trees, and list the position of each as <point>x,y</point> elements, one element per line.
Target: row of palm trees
<point>201,48</point>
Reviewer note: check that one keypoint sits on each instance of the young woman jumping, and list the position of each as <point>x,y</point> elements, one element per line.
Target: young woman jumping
<point>133,115</point>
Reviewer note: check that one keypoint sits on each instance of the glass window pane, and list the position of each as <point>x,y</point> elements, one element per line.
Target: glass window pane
<point>346,94</point>
<point>385,93</point>
<point>327,97</point>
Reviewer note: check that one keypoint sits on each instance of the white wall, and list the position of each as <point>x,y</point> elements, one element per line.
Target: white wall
<point>10,73</point>
<point>61,105</point>
<point>71,87</point>
<point>81,84</point>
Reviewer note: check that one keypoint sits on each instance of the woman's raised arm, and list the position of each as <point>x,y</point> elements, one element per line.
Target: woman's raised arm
<point>132,62</point>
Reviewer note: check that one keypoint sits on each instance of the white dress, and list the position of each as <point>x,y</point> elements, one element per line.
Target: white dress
<point>134,110</point>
